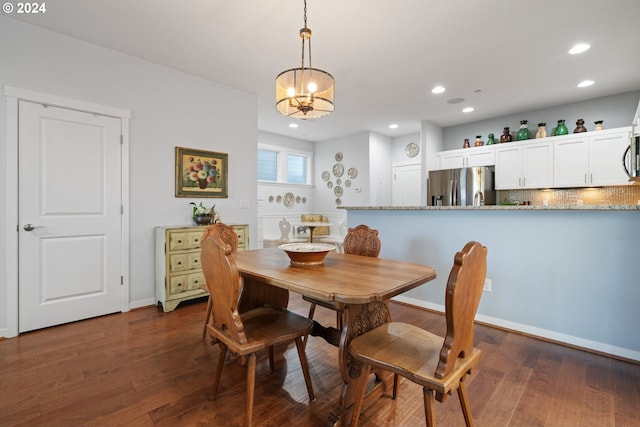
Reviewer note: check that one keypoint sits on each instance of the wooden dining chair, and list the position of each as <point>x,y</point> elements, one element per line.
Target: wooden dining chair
<point>438,364</point>
<point>360,240</point>
<point>250,332</point>
<point>227,234</point>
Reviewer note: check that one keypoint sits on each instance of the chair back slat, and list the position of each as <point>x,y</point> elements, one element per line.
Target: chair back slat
<point>223,281</point>
<point>225,232</point>
<point>362,240</point>
<point>462,297</point>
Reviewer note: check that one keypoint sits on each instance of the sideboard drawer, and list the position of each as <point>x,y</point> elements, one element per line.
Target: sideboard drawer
<point>195,280</point>
<point>177,262</point>
<point>193,239</point>
<point>193,261</point>
<point>179,283</point>
<point>177,241</point>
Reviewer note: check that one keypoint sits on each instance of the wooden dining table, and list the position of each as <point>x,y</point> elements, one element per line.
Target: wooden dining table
<point>359,286</point>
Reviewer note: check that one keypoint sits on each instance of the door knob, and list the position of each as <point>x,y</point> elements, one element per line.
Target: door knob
<point>31,227</point>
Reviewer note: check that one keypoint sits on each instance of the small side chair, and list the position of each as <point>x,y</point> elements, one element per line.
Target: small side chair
<point>438,364</point>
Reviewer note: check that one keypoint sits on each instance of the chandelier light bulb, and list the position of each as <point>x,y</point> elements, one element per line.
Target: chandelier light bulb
<point>312,87</point>
<point>291,92</point>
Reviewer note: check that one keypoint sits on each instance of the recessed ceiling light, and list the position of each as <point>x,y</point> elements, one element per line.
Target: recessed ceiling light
<point>579,48</point>
<point>393,126</point>
<point>293,125</point>
<point>467,109</point>
<point>438,89</point>
<point>585,83</point>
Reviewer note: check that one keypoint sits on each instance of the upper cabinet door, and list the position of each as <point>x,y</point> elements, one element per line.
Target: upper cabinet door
<point>571,162</point>
<point>537,165</point>
<point>605,158</point>
<point>481,156</point>
<point>508,167</point>
<point>453,159</point>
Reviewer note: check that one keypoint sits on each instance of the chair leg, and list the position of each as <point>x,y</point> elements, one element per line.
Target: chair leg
<point>312,312</point>
<point>251,385</point>
<point>361,387</point>
<point>394,394</point>
<point>464,403</point>
<point>207,317</point>
<point>302,355</point>
<point>429,407</point>
<point>218,373</point>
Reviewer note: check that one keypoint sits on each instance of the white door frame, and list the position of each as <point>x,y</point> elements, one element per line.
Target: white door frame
<point>14,95</point>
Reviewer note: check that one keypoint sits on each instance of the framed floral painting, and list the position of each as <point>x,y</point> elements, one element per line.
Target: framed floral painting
<point>201,173</point>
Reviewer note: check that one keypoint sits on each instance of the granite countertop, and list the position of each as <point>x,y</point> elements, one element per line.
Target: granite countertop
<point>501,208</point>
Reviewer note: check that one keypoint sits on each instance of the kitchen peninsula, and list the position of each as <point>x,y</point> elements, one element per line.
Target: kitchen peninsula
<point>565,273</point>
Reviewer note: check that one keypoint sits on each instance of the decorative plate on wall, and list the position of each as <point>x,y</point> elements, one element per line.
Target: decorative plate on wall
<point>412,149</point>
<point>304,200</point>
<point>326,175</point>
<point>338,201</point>
<point>352,173</point>
<point>289,199</point>
<point>338,169</point>
<point>278,199</point>
<point>338,181</point>
<point>337,191</point>
<point>347,183</point>
<point>338,156</point>
<point>298,199</point>
<point>271,199</point>
<point>329,184</point>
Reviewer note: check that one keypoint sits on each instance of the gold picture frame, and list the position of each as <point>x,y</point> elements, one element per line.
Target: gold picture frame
<point>201,173</point>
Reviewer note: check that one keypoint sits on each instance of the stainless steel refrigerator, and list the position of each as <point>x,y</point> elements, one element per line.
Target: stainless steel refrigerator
<point>462,187</point>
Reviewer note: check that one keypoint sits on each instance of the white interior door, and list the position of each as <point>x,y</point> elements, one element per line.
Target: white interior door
<point>407,185</point>
<point>70,226</point>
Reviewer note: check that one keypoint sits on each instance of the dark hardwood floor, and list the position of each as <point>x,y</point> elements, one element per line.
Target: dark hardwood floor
<point>148,368</point>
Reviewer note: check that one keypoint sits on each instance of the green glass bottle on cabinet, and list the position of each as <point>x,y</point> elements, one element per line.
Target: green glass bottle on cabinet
<point>523,132</point>
<point>561,129</point>
<point>491,140</point>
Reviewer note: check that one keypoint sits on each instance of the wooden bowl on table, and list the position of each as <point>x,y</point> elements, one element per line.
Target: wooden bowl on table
<point>304,254</point>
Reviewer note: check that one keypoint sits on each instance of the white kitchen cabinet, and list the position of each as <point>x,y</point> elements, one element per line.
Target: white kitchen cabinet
<point>524,165</point>
<point>466,157</point>
<point>591,159</point>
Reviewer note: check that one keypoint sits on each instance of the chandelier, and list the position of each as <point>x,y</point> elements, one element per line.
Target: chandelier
<point>305,92</point>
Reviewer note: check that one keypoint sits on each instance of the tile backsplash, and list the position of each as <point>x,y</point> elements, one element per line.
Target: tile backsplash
<point>618,195</point>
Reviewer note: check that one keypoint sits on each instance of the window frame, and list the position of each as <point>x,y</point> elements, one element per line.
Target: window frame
<point>282,157</point>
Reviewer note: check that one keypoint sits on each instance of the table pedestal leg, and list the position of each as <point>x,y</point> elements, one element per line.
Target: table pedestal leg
<point>357,320</point>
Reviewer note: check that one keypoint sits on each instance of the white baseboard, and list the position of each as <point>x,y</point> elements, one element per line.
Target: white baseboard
<point>142,303</point>
<point>4,333</point>
<point>536,332</point>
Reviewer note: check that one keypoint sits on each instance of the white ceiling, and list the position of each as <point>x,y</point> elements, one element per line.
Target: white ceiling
<point>501,56</point>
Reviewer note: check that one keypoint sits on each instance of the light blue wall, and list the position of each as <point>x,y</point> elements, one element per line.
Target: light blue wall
<point>571,276</point>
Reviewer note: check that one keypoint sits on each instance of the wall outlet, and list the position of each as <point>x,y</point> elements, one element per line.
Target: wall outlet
<point>487,285</point>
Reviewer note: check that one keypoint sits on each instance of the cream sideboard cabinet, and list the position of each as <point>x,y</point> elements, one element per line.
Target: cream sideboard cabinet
<point>178,271</point>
